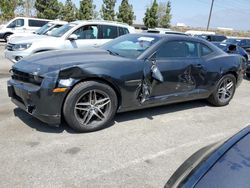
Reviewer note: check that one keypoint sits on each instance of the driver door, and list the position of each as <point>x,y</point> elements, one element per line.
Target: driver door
<point>177,64</point>
<point>87,36</point>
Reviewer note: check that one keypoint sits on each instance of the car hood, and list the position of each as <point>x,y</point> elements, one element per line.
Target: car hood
<point>57,60</point>
<point>31,39</point>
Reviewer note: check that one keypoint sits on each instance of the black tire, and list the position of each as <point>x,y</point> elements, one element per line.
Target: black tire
<point>5,37</point>
<point>216,99</point>
<point>248,75</point>
<point>82,91</point>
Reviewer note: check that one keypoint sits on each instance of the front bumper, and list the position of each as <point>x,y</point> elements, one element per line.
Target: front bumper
<point>38,101</point>
<point>13,55</point>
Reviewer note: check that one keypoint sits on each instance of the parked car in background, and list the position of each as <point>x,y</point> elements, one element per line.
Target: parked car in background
<point>164,31</point>
<point>232,49</point>
<point>235,49</point>
<point>88,87</point>
<point>44,30</point>
<point>223,164</point>
<point>21,25</point>
<point>78,34</point>
<point>243,43</point>
<point>212,38</point>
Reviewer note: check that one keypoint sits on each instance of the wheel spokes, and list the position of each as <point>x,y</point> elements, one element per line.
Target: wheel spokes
<point>90,107</point>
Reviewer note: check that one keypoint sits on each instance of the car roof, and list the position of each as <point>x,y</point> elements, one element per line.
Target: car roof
<point>105,22</point>
<point>172,36</point>
<point>58,22</point>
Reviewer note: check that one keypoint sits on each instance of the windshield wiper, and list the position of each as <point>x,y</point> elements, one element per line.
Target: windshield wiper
<point>113,53</point>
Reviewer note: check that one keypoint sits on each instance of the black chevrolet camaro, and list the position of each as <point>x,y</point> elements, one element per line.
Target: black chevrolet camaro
<point>88,87</point>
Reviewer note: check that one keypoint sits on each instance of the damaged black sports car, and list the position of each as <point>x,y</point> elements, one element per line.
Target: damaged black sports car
<point>88,87</point>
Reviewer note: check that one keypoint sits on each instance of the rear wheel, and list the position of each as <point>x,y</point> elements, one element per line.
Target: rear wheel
<point>90,106</point>
<point>224,92</point>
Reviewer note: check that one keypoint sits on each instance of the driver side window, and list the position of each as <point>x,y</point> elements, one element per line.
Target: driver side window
<point>87,32</point>
<point>16,23</point>
<point>178,49</point>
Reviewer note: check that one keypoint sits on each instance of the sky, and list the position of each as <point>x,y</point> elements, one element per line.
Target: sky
<point>226,13</point>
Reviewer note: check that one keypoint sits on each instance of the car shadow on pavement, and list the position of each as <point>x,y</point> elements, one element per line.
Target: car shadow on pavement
<point>40,126</point>
<point>148,113</point>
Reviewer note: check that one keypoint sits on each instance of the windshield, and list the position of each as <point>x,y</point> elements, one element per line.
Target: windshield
<point>130,46</point>
<point>62,30</point>
<point>42,30</point>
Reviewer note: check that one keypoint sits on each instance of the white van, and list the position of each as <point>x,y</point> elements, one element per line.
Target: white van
<point>21,25</point>
<point>44,30</point>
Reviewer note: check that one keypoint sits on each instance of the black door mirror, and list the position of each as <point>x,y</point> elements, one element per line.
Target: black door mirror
<point>155,72</point>
<point>231,48</point>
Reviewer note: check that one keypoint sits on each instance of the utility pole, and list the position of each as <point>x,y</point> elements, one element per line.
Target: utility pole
<point>209,18</point>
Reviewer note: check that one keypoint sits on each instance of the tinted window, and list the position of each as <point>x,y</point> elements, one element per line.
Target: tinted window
<point>87,32</point>
<point>232,170</point>
<point>178,49</point>
<point>248,42</point>
<point>36,23</point>
<point>109,32</point>
<point>123,31</point>
<point>16,23</point>
<point>242,42</point>
<point>205,50</point>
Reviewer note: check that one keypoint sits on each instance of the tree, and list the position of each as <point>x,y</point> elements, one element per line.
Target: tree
<point>165,20</point>
<point>126,13</point>
<point>151,18</point>
<point>48,9</point>
<point>87,10</point>
<point>7,8</point>
<point>69,11</point>
<point>108,10</point>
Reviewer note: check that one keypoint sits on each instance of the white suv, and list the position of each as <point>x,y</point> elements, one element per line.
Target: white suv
<point>21,25</point>
<point>78,34</point>
<point>44,30</point>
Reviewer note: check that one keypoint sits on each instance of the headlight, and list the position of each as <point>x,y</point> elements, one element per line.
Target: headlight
<point>19,47</point>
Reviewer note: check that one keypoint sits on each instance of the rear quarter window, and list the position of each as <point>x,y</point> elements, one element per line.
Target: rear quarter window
<point>205,50</point>
<point>36,23</point>
<point>109,32</point>
<point>123,31</point>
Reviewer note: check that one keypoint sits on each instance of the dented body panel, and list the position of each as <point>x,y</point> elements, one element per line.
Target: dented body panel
<point>141,82</point>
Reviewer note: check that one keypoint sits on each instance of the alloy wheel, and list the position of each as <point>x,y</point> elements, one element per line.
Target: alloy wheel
<point>226,90</point>
<point>92,107</point>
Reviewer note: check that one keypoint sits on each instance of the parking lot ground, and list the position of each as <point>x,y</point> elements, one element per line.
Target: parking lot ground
<point>141,149</point>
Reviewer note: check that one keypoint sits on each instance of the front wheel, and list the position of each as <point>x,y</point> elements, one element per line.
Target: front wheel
<point>6,36</point>
<point>90,106</point>
<point>224,91</point>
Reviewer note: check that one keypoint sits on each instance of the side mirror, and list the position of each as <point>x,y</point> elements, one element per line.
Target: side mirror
<point>72,37</point>
<point>231,48</point>
<point>156,74</point>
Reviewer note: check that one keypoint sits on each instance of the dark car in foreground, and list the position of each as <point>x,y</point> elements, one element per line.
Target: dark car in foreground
<point>135,71</point>
<point>223,164</point>
<point>235,49</point>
